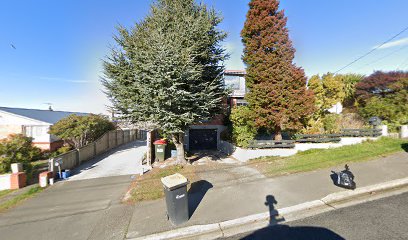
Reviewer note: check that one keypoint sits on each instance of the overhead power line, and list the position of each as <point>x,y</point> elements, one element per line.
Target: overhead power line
<point>372,50</point>
<point>385,56</point>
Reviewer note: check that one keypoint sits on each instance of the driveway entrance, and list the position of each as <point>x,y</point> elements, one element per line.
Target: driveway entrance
<point>124,160</point>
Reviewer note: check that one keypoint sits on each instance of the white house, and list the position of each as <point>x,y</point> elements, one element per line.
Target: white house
<point>337,108</point>
<point>32,123</point>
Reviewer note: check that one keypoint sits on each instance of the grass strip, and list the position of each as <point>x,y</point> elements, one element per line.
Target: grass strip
<point>20,198</point>
<point>324,158</point>
<point>5,192</point>
<point>149,186</point>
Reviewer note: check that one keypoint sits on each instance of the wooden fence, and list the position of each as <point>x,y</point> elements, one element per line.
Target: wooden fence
<point>314,138</point>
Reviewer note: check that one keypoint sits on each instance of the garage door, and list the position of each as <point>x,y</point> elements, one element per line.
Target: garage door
<point>203,139</point>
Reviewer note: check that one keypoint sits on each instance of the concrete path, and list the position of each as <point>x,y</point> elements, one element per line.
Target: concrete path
<point>124,160</point>
<point>224,195</point>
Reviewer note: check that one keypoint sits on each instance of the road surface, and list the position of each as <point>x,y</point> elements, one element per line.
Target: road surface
<point>386,218</point>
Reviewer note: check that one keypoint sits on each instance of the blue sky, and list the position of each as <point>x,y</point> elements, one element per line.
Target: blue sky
<point>60,44</point>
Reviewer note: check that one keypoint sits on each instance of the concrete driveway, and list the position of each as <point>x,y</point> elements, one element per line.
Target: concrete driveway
<point>80,210</point>
<point>124,160</point>
<point>87,206</point>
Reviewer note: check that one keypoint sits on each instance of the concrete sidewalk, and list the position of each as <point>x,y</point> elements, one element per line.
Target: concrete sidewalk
<point>239,191</point>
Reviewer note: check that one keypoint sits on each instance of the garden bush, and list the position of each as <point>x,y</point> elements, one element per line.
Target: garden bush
<point>17,148</point>
<point>243,126</point>
<point>330,123</point>
<point>77,131</point>
<point>392,107</point>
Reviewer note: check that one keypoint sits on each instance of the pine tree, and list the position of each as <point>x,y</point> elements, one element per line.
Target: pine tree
<point>278,95</point>
<point>166,70</point>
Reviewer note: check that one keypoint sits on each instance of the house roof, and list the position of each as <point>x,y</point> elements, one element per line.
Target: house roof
<point>235,72</point>
<point>47,116</point>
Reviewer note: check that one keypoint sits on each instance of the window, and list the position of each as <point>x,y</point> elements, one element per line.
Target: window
<point>241,102</point>
<point>28,131</point>
<point>232,82</point>
<point>35,131</point>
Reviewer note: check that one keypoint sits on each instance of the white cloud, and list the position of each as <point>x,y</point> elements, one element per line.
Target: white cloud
<point>64,80</point>
<point>399,42</point>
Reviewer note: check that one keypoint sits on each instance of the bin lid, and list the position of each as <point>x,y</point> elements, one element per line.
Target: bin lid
<point>174,181</point>
<point>160,142</point>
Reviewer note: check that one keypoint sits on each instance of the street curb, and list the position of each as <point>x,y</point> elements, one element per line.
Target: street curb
<point>183,232</point>
<point>341,196</point>
<point>256,221</point>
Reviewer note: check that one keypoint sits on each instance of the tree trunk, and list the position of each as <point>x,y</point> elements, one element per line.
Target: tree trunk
<point>278,134</point>
<point>178,139</point>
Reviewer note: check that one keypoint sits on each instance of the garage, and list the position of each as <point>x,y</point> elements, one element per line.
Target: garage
<point>203,139</point>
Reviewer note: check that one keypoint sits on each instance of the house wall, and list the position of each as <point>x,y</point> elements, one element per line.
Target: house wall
<point>336,108</point>
<point>6,130</point>
<point>10,124</point>
<point>49,146</point>
<point>10,119</point>
<point>244,155</point>
<point>5,182</point>
<point>39,133</point>
<point>13,124</point>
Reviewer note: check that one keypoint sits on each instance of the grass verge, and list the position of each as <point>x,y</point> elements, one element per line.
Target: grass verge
<point>4,193</point>
<point>149,186</point>
<point>19,198</point>
<point>325,158</point>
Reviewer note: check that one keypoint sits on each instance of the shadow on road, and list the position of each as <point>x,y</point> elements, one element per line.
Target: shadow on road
<point>275,231</point>
<point>212,155</point>
<point>405,147</point>
<point>196,194</point>
<point>270,203</point>
<point>284,232</point>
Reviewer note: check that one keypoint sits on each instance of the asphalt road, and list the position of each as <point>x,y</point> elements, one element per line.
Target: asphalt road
<point>386,218</point>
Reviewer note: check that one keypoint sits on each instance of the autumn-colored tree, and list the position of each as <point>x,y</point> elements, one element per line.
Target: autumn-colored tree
<point>378,85</point>
<point>392,108</point>
<point>278,96</point>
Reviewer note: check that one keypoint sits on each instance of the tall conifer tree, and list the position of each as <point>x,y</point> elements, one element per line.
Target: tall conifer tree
<point>166,70</point>
<point>278,95</point>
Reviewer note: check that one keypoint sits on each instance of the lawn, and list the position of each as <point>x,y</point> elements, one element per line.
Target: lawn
<point>149,186</point>
<point>19,198</point>
<point>325,158</point>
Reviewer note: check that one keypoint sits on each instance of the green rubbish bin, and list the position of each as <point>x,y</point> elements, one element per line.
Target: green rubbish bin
<point>160,150</point>
<point>175,190</point>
